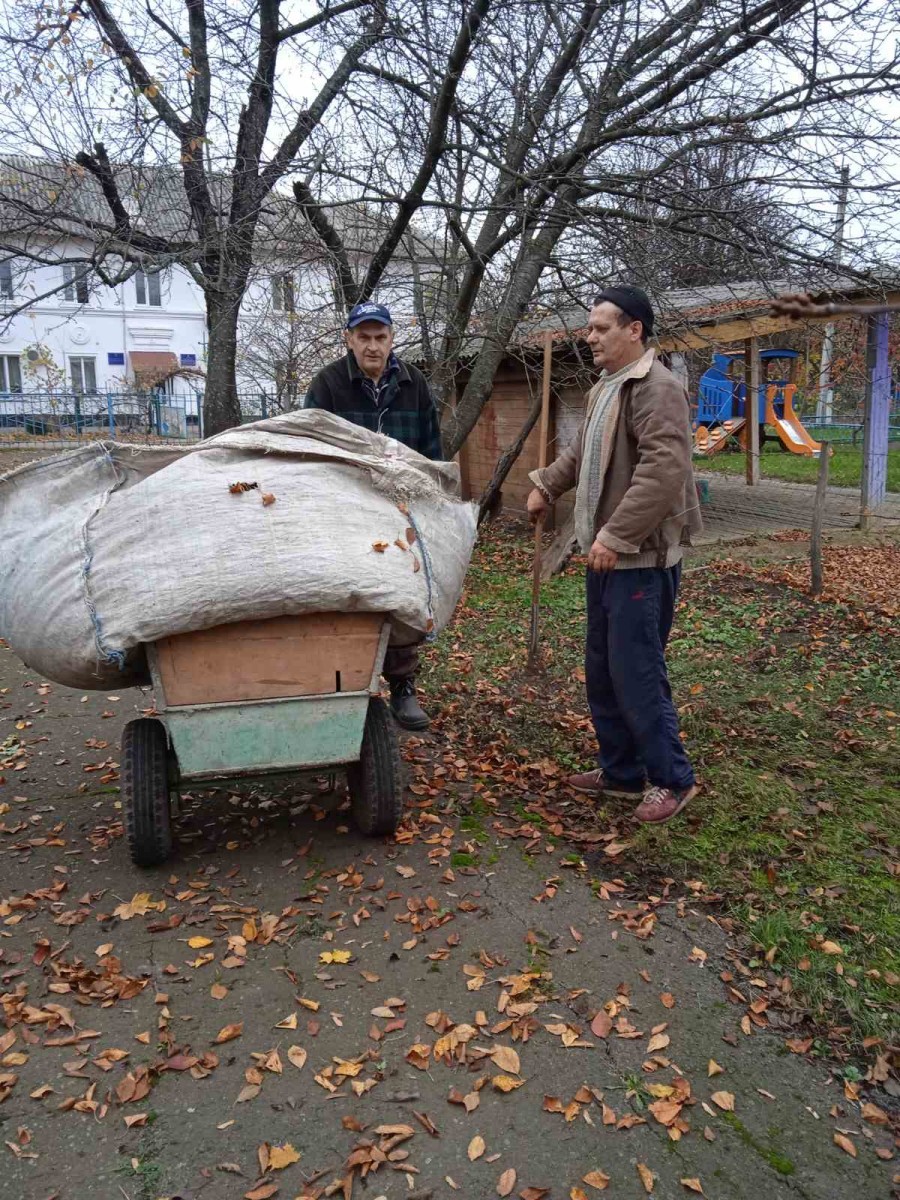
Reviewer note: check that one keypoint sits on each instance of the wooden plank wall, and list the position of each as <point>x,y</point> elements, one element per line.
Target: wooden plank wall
<point>503,417</point>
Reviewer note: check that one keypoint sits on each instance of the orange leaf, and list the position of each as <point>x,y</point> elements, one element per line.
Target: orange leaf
<point>596,1179</point>
<point>379,547</point>
<point>505,1083</point>
<point>263,1192</point>
<point>218,991</point>
<point>668,999</point>
<point>229,1032</point>
<point>506,1059</point>
<point>506,1182</point>
<point>282,1156</point>
<point>647,1177</point>
<point>725,1101</point>
<point>267,499</point>
<point>577,1193</point>
<point>845,1144</point>
<point>601,1025</point>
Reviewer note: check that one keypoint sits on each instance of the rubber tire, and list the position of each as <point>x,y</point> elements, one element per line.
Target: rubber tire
<point>376,781</point>
<point>145,792</point>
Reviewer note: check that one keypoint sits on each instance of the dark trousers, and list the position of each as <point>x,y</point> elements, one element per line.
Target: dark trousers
<point>400,663</point>
<point>629,616</point>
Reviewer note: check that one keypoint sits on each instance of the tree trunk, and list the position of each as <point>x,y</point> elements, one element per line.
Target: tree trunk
<point>489,504</point>
<point>221,407</point>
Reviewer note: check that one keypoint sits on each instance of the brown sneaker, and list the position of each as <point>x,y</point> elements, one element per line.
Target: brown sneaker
<point>595,783</point>
<point>662,804</point>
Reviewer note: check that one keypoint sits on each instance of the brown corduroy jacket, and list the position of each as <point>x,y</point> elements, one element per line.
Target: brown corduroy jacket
<point>648,500</point>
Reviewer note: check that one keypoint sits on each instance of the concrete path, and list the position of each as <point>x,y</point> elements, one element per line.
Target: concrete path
<point>284,989</point>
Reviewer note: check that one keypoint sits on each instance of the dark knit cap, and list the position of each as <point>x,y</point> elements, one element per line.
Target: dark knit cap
<point>632,300</point>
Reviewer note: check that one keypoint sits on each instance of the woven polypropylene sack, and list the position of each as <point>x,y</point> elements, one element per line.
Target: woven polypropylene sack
<point>112,547</point>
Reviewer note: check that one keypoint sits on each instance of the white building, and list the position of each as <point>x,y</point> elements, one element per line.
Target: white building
<point>71,345</point>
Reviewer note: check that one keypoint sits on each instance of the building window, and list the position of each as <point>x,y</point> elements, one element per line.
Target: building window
<point>83,372</point>
<point>10,373</point>
<point>7,289</point>
<point>76,288</point>
<point>283,293</point>
<point>147,288</point>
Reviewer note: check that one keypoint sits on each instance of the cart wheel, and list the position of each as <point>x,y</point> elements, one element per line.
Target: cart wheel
<point>376,781</point>
<point>145,792</point>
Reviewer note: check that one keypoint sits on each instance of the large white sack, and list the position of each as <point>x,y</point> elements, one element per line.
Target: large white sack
<point>109,547</point>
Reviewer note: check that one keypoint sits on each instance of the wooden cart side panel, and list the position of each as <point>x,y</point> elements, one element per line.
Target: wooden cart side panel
<point>267,660</point>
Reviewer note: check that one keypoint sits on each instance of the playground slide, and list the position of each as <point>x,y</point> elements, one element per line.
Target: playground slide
<point>710,441</point>
<point>794,436</point>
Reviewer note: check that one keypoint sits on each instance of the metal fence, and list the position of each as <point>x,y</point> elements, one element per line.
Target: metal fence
<point>63,417</point>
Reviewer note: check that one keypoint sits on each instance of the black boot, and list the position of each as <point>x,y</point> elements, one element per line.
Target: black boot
<point>405,707</point>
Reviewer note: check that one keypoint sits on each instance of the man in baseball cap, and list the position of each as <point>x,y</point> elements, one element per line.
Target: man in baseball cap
<point>372,387</point>
<point>635,507</point>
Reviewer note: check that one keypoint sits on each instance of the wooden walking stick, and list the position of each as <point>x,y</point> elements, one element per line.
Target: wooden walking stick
<point>539,527</point>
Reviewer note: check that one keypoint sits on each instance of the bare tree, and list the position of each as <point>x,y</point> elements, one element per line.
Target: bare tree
<point>116,98</point>
<point>578,136</point>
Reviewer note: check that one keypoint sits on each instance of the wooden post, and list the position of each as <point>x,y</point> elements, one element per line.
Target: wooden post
<point>751,408</point>
<point>877,418</point>
<point>815,545</point>
<point>539,527</point>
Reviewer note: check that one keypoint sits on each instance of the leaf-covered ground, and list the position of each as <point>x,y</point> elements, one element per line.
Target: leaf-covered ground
<point>521,994</point>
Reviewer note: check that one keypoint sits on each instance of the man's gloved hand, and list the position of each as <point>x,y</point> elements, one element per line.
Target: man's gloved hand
<point>601,558</point>
<point>537,506</point>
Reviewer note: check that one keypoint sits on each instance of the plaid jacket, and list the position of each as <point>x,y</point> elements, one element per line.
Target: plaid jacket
<point>406,412</point>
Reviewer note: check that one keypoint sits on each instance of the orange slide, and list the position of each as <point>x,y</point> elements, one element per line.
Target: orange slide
<point>789,428</point>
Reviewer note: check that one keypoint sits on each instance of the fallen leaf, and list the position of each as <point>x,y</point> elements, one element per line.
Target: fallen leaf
<point>476,1148</point>
<point>725,1100</point>
<point>298,1056</point>
<point>267,499</point>
<point>668,999</point>
<point>380,546</point>
<point>263,1192</point>
<point>658,1042</point>
<point>577,1193</point>
<point>647,1177</point>
<point>596,1179</point>
<point>218,991</point>
<point>288,1022</point>
<point>713,1068</point>
<point>845,1144</point>
<point>830,948</point>
<point>874,1115</point>
<point>505,1083</point>
<point>334,956</point>
<point>197,943</point>
<point>601,1025</point>
<point>506,1182</point>
<point>282,1156</point>
<point>693,1185</point>
<point>506,1059</point>
<point>229,1032</point>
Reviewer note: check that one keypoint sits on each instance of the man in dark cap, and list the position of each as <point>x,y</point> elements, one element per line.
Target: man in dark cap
<point>372,387</point>
<point>635,507</point>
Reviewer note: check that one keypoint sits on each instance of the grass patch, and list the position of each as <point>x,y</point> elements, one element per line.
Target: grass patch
<point>787,709</point>
<point>844,470</point>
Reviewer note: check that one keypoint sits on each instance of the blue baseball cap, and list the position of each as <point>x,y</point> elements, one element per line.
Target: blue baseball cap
<point>368,312</point>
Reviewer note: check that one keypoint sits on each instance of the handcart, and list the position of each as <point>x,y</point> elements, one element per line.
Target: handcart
<point>251,699</point>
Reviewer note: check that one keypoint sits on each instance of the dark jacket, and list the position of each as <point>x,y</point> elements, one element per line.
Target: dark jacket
<point>406,413</point>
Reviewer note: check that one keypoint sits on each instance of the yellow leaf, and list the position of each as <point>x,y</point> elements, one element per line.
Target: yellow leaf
<point>103,950</point>
<point>312,1005</point>
<point>197,943</point>
<point>297,1055</point>
<point>506,1182</point>
<point>724,1100</point>
<point>282,1156</point>
<point>647,1177</point>
<point>596,1179</point>
<point>334,956</point>
<point>288,1022</point>
<point>830,948</point>
<point>228,1032</point>
<point>693,1185</point>
<point>577,1193</point>
<point>506,1059</point>
<point>713,1068</point>
<point>505,1083</point>
<point>476,1148</point>
<point>845,1144</point>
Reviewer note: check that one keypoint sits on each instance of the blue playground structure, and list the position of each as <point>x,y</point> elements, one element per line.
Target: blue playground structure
<point>721,405</point>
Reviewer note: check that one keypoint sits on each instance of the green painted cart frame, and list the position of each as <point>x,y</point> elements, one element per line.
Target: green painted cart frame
<point>223,716</point>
